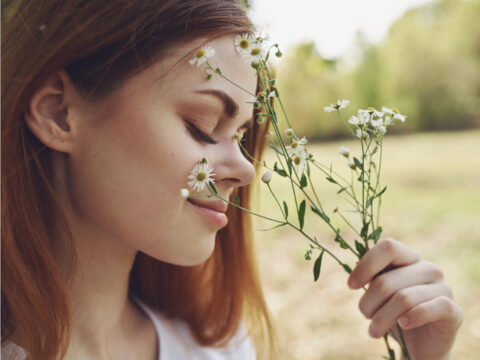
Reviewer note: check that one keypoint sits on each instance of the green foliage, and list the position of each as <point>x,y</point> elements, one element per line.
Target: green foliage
<point>427,68</point>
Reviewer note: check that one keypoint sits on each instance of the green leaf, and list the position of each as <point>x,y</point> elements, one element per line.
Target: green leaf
<point>285,207</point>
<point>317,266</point>
<point>332,180</point>
<point>276,149</point>
<point>301,213</point>
<point>381,192</point>
<point>358,163</point>
<point>375,235</point>
<point>321,214</point>
<point>360,248</point>
<point>347,268</point>
<point>342,242</point>
<point>342,189</point>
<point>237,199</point>
<point>374,150</point>
<point>276,226</point>
<point>303,181</point>
<point>217,70</point>
<point>279,171</point>
<point>363,232</point>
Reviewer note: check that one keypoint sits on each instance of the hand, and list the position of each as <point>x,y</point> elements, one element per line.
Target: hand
<point>414,291</point>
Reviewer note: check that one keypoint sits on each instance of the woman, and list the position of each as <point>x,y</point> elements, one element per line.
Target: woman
<point>103,118</point>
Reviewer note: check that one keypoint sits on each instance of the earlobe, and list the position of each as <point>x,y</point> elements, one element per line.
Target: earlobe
<point>47,114</point>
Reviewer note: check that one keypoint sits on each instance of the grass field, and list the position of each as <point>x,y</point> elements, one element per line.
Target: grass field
<point>432,204</point>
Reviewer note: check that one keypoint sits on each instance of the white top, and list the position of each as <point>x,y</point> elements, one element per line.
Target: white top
<point>175,340</point>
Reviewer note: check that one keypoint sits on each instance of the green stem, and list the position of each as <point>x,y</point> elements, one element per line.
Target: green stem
<point>280,206</point>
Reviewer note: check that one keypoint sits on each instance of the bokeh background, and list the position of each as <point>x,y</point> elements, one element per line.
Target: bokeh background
<point>422,57</point>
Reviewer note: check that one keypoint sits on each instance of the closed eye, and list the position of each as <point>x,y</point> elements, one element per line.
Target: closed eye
<point>199,135</point>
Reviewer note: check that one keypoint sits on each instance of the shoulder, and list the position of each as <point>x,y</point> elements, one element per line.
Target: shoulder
<point>11,351</point>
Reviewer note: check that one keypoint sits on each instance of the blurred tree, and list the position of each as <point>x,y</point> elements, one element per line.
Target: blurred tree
<point>428,67</point>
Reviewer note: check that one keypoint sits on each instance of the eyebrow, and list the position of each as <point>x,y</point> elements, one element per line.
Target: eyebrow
<point>230,107</point>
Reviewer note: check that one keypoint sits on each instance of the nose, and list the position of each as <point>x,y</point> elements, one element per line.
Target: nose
<point>232,168</point>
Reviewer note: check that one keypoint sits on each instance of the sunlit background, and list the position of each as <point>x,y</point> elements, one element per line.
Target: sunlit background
<point>422,57</point>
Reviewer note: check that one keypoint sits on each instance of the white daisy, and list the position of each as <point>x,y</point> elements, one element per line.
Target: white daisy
<point>371,111</point>
<point>202,55</point>
<point>340,104</point>
<point>394,113</point>
<point>299,161</point>
<point>243,43</point>
<point>344,151</point>
<point>362,118</point>
<point>297,145</point>
<point>255,53</point>
<point>201,175</point>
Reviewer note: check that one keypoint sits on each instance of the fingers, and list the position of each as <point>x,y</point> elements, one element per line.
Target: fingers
<point>386,285</point>
<point>441,309</point>
<point>385,252</point>
<point>402,302</point>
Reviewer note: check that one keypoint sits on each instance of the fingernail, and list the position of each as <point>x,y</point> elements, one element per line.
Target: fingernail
<point>404,321</point>
<point>372,332</point>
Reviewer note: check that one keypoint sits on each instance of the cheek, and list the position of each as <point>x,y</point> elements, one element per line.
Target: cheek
<point>127,176</point>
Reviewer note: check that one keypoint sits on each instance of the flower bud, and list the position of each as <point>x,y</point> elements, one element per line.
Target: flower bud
<point>267,176</point>
<point>344,151</point>
<point>256,105</point>
<point>184,193</point>
<point>260,120</point>
<point>278,54</point>
<point>289,132</point>
<point>351,165</point>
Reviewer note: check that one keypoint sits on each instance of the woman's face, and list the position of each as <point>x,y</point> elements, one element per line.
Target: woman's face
<point>133,157</point>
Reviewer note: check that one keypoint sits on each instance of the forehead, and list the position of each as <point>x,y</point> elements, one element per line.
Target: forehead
<point>173,74</point>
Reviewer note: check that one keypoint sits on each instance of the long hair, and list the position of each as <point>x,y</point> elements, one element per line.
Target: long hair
<point>101,44</point>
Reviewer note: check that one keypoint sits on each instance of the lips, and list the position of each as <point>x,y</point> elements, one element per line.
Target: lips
<point>216,205</point>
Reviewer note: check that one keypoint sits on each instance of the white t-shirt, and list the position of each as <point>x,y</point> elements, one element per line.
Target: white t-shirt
<point>175,340</point>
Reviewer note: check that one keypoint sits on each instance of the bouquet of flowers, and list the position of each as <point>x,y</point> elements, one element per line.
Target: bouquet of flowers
<point>363,190</point>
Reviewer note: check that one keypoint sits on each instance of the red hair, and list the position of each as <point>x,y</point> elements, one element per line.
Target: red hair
<point>101,44</point>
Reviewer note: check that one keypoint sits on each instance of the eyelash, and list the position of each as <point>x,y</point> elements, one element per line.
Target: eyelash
<point>200,135</point>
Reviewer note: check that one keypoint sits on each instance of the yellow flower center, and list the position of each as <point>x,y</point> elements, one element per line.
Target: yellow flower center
<point>294,145</point>
<point>396,111</point>
<point>200,53</point>
<point>260,94</point>
<point>297,160</point>
<point>201,176</point>
<point>255,51</point>
<point>371,108</point>
<point>244,44</point>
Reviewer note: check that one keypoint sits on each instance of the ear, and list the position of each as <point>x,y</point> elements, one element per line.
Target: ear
<point>47,114</point>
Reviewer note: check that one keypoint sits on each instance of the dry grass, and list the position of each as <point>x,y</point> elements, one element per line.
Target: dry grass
<point>432,204</point>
